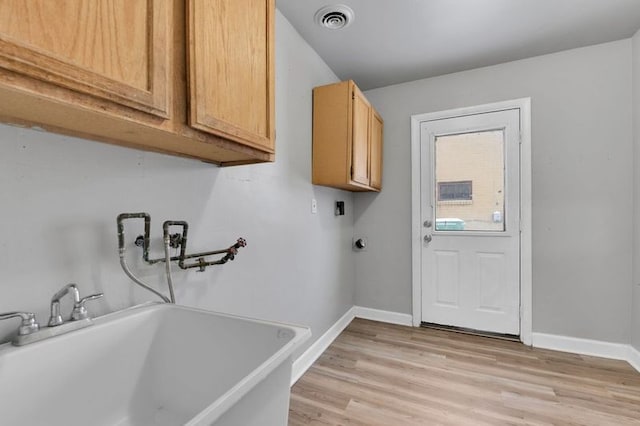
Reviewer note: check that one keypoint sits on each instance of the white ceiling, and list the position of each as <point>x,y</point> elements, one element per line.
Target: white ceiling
<point>394,41</point>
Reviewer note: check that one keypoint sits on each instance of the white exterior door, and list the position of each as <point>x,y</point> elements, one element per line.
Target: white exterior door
<point>470,214</point>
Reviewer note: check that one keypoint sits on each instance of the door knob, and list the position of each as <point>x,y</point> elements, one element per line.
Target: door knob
<point>427,238</point>
<point>428,224</point>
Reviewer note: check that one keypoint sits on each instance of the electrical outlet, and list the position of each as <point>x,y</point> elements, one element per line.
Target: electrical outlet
<point>314,206</point>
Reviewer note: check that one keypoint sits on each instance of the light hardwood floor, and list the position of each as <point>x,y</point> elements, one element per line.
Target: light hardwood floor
<point>381,374</point>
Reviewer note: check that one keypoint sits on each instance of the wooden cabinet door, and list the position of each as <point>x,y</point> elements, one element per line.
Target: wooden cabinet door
<point>231,69</point>
<point>360,138</point>
<point>375,156</point>
<point>111,49</point>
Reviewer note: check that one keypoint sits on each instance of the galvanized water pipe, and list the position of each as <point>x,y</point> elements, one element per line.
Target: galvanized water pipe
<point>121,249</point>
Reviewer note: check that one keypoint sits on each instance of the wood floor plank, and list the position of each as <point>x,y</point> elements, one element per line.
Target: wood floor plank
<point>378,374</point>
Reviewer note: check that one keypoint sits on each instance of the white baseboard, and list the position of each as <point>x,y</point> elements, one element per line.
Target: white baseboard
<point>383,316</point>
<point>589,347</point>
<point>306,360</point>
<point>634,357</point>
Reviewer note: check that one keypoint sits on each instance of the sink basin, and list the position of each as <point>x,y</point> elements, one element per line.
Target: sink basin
<point>156,364</point>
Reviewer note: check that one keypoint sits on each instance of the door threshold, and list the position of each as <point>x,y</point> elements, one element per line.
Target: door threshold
<point>471,331</point>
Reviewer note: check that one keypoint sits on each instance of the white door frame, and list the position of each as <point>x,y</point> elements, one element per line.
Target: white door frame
<point>524,105</point>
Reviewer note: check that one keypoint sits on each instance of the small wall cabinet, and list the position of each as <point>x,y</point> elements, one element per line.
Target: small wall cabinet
<point>192,78</point>
<point>347,139</point>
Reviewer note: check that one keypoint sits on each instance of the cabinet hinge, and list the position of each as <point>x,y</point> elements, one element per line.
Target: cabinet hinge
<point>351,172</point>
<point>353,94</point>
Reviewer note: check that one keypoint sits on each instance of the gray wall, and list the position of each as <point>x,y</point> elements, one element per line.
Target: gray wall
<point>60,197</point>
<point>582,185</point>
<point>635,340</point>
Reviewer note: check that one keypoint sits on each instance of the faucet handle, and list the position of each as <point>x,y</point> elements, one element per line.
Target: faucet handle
<point>28,325</point>
<point>79,310</point>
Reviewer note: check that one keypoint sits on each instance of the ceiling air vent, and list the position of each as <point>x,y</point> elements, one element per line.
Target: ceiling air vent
<point>334,17</point>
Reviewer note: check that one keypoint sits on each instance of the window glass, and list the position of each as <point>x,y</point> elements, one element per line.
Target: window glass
<point>451,191</point>
<point>470,181</point>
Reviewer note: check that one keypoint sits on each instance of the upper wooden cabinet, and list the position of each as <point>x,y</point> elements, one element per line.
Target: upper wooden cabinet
<point>114,50</point>
<point>190,78</point>
<point>231,53</point>
<point>375,155</point>
<point>347,139</point>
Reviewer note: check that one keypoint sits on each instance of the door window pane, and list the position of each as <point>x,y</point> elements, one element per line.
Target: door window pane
<point>469,171</point>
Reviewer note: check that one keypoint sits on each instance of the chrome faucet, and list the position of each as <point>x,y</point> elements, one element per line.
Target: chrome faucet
<point>79,310</point>
<point>56,319</point>
<point>30,330</point>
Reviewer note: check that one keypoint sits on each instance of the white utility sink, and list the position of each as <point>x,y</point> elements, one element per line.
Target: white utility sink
<point>157,364</point>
